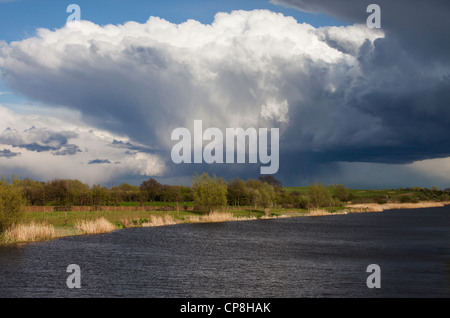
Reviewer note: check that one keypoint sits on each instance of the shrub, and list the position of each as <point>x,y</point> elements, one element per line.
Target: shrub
<point>380,199</point>
<point>370,199</point>
<point>408,199</point>
<point>12,204</point>
<point>319,196</point>
<point>302,202</point>
<point>341,193</point>
<point>445,197</point>
<point>267,197</point>
<point>209,192</point>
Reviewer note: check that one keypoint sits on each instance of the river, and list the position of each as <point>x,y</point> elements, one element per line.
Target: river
<point>325,256</point>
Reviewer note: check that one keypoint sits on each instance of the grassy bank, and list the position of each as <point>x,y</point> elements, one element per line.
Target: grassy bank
<point>41,226</point>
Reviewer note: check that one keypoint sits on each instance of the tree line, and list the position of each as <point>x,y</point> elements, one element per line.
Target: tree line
<point>265,192</point>
<point>206,191</point>
<point>68,192</point>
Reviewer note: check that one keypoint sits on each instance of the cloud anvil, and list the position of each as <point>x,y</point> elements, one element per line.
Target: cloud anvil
<point>338,93</point>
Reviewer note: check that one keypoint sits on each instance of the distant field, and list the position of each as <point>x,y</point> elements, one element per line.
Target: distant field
<point>357,192</point>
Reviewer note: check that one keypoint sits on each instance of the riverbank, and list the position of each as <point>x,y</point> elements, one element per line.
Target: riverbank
<point>373,207</point>
<point>43,226</point>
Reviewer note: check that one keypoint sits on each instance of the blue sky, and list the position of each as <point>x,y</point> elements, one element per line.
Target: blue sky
<point>20,18</point>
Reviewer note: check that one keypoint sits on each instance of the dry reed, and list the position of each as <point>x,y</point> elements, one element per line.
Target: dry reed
<point>218,217</point>
<point>160,220</point>
<point>97,226</point>
<point>32,232</point>
<point>374,207</point>
<point>318,212</point>
<point>213,217</point>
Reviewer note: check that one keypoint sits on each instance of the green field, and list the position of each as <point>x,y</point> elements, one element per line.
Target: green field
<point>358,193</point>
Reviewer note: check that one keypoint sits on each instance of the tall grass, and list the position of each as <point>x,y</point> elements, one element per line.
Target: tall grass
<point>374,207</point>
<point>32,232</point>
<point>97,226</point>
<point>212,217</point>
<point>318,212</point>
<point>160,220</point>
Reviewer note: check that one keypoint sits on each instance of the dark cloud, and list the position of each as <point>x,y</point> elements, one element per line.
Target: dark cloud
<point>35,147</point>
<point>40,140</point>
<point>99,161</point>
<point>130,146</point>
<point>6,153</point>
<point>68,150</point>
<point>404,85</point>
<point>420,26</point>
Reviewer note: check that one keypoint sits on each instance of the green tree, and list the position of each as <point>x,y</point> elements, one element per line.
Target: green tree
<point>319,196</point>
<point>100,195</point>
<point>269,179</point>
<point>267,196</point>
<point>57,192</point>
<point>12,204</point>
<point>340,192</point>
<point>209,192</point>
<point>152,189</point>
<point>126,192</point>
<point>33,191</point>
<point>78,192</point>
<point>186,194</point>
<point>302,202</point>
<point>237,192</point>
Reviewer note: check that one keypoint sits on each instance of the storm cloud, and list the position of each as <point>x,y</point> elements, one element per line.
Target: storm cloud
<point>420,27</point>
<point>40,140</point>
<point>338,94</point>
<point>99,161</point>
<point>6,153</point>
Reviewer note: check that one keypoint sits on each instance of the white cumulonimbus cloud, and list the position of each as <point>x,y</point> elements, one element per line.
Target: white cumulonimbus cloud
<point>246,69</point>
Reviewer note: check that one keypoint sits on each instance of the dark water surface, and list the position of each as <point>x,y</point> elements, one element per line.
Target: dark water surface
<point>298,257</point>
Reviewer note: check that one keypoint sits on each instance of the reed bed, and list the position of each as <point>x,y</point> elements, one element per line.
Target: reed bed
<point>374,207</point>
<point>160,220</point>
<point>318,212</point>
<point>32,232</point>
<point>213,217</point>
<point>218,217</point>
<point>97,226</point>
